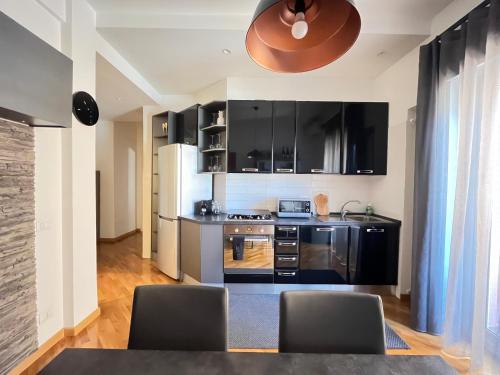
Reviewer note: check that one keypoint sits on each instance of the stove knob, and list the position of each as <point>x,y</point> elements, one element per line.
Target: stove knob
<point>259,217</point>
<point>261,230</point>
<point>249,229</point>
<point>236,230</point>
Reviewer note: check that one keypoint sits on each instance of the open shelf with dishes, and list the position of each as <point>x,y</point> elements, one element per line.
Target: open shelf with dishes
<point>163,131</point>
<point>212,137</point>
<point>214,128</point>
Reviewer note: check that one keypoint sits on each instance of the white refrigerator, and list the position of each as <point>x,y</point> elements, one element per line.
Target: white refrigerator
<point>179,187</point>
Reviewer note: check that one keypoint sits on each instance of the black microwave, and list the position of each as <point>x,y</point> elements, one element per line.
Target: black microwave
<point>294,208</point>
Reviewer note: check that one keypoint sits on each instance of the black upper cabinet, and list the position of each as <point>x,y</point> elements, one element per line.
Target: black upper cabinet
<point>365,138</point>
<point>319,133</point>
<point>284,137</point>
<point>250,136</point>
<point>187,126</point>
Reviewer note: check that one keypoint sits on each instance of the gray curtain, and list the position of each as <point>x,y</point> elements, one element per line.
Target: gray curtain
<point>441,61</point>
<point>438,60</point>
<point>429,199</point>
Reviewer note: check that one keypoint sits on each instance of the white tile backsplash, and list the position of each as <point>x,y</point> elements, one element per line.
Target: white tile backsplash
<point>250,191</point>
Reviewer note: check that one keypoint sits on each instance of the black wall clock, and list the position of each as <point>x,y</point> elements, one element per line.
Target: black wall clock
<point>85,108</point>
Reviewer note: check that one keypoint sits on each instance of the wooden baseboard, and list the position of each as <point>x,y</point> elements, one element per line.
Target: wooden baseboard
<point>29,363</point>
<point>74,331</point>
<point>120,238</point>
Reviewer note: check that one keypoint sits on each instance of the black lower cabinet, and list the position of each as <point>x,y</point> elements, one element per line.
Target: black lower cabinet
<point>323,254</point>
<point>373,255</point>
<point>286,277</point>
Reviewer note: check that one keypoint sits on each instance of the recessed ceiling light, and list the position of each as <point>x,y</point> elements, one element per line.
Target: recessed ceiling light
<point>226,51</point>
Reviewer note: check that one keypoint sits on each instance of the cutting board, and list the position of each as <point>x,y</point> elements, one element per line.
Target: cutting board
<point>321,202</point>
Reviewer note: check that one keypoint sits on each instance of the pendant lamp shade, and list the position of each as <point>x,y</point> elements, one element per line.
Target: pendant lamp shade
<point>331,30</point>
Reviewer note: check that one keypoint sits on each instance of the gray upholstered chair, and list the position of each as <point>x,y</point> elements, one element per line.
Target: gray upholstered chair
<point>179,317</point>
<point>331,322</point>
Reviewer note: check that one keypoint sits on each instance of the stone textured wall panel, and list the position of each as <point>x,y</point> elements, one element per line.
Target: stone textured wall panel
<point>18,315</point>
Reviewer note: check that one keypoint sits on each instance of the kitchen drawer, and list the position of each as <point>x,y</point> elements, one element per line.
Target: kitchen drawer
<point>286,247</point>
<point>286,232</point>
<point>286,277</point>
<point>286,261</point>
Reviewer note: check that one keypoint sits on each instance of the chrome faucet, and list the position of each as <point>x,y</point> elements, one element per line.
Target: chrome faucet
<point>343,211</point>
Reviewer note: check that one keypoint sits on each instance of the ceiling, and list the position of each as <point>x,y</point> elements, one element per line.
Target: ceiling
<point>119,99</point>
<point>177,44</point>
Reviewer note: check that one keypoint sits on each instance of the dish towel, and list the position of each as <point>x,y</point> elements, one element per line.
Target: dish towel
<point>238,247</point>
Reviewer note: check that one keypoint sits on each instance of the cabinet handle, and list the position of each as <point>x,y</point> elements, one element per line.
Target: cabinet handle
<point>287,229</point>
<point>372,230</point>
<point>365,171</point>
<point>325,229</point>
<point>283,170</point>
<point>287,244</point>
<point>286,273</point>
<point>288,259</point>
<point>249,169</point>
<point>317,170</point>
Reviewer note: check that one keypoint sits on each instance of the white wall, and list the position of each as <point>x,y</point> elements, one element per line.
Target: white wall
<point>298,87</point>
<point>79,216</point>
<point>36,18</point>
<point>105,164</point>
<point>125,156</point>
<point>64,175</point>
<point>48,175</point>
<point>139,171</point>
<point>250,191</point>
<point>217,91</point>
<point>119,158</point>
<point>48,238</point>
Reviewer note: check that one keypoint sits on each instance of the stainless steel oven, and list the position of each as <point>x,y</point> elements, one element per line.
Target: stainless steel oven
<point>248,253</point>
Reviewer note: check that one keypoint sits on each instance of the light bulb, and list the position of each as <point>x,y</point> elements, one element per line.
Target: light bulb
<point>300,27</point>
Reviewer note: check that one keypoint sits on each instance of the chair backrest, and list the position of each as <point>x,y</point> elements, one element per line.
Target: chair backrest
<point>179,317</point>
<point>331,322</point>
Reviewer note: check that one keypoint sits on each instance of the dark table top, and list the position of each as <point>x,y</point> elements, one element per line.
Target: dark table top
<point>122,362</point>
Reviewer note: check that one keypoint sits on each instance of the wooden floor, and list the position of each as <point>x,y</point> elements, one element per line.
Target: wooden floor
<point>120,268</point>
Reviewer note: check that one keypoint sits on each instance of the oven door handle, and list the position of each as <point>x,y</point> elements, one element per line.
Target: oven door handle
<point>287,229</point>
<point>252,239</point>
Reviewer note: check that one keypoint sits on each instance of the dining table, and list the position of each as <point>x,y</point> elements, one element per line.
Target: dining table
<point>124,362</point>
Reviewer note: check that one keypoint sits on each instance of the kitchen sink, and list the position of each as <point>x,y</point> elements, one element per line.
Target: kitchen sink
<point>350,218</point>
<point>331,218</point>
<point>364,219</point>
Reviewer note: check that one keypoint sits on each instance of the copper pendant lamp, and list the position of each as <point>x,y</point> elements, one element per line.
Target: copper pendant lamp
<point>296,36</point>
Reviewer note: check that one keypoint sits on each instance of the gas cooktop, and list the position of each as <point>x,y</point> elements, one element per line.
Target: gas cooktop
<point>249,215</point>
